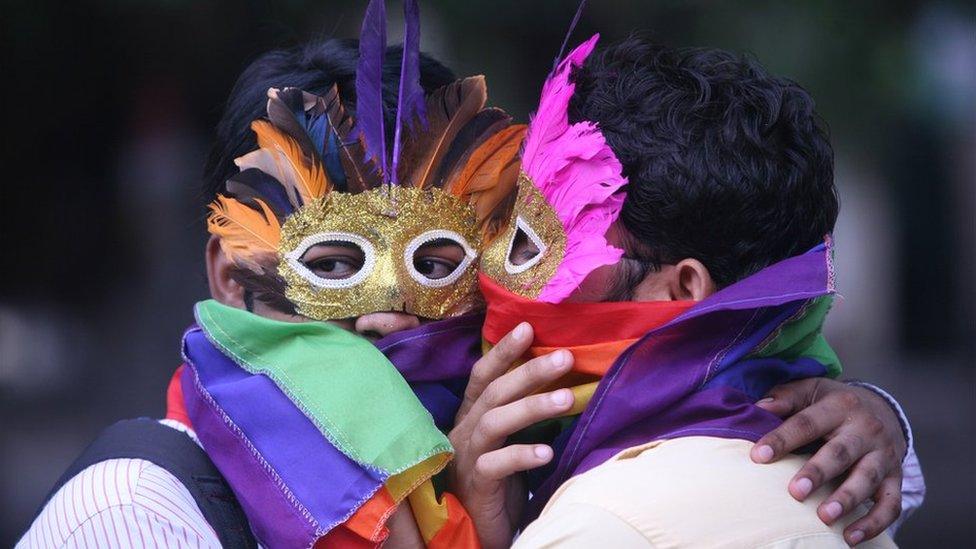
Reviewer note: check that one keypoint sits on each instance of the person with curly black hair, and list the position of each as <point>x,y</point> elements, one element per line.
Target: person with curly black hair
<point>729,190</point>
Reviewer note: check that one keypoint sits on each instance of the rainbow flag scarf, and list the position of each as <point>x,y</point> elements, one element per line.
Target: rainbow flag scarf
<point>315,430</point>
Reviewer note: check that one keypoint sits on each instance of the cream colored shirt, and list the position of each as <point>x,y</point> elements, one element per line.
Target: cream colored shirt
<point>686,492</point>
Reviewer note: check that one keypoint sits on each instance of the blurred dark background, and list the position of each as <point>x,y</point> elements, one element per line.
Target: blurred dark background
<point>109,109</point>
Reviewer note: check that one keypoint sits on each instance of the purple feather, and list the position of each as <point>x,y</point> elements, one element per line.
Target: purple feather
<point>369,83</point>
<point>572,27</point>
<point>410,102</point>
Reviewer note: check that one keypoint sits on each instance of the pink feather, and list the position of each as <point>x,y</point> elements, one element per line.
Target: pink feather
<point>578,174</point>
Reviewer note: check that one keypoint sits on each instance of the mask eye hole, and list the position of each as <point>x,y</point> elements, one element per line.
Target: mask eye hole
<point>333,260</point>
<point>525,250</point>
<point>438,258</point>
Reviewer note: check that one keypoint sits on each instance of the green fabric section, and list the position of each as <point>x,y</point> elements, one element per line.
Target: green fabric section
<point>340,381</point>
<point>802,336</point>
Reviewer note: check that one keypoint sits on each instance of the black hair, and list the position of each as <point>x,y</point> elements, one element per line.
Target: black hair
<point>314,67</point>
<point>726,163</point>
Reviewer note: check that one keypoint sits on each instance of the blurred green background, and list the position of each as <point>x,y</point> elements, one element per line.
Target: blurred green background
<point>110,107</point>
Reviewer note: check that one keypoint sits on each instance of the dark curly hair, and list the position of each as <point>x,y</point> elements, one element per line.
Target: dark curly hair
<point>726,163</point>
<point>314,67</point>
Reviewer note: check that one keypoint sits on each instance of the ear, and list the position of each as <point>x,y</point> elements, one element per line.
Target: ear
<point>223,287</point>
<point>690,280</point>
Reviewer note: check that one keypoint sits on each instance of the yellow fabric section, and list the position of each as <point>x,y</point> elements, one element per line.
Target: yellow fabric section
<point>404,483</point>
<point>582,395</point>
<point>430,514</point>
<point>687,492</point>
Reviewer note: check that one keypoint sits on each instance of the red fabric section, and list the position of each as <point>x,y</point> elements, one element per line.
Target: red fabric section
<point>367,524</point>
<point>573,324</point>
<point>458,531</point>
<point>175,409</point>
<point>342,536</point>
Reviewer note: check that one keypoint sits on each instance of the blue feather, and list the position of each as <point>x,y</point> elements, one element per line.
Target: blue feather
<point>369,84</point>
<point>253,183</point>
<point>410,101</point>
<point>316,126</point>
<point>333,163</point>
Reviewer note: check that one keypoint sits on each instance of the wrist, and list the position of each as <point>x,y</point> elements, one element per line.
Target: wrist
<point>894,406</point>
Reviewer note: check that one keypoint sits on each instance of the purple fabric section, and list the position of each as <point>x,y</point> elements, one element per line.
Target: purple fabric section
<point>722,412</point>
<point>436,351</point>
<point>274,518</point>
<point>436,359</point>
<point>281,435</point>
<point>655,389</point>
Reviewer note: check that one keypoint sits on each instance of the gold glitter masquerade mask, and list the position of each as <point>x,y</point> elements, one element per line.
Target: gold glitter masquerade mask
<point>389,225</point>
<point>568,196</point>
<point>312,184</point>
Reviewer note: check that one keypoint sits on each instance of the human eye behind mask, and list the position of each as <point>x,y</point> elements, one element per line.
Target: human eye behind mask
<point>334,260</point>
<point>524,249</point>
<point>439,259</point>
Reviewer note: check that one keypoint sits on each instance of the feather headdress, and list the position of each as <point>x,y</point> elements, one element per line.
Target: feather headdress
<point>310,147</point>
<point>579,176</point>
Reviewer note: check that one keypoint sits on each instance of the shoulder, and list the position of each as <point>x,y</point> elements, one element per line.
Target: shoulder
<point>699,491</point>
<point>119,501</point>
<point>579,524</point>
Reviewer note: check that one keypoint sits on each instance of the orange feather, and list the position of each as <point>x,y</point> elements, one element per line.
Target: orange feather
<point>295,168</point>
<point>489,177</point>
<point>490,159</point>
<point>245,233</point>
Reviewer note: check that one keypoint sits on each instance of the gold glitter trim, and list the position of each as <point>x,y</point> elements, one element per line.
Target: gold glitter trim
<point>535,211</point>
<point>389,217</point>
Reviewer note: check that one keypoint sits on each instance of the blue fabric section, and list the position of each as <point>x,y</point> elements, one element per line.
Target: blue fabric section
<point>442,400</point>
<point>758,330</point>
<point>755,377</point>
